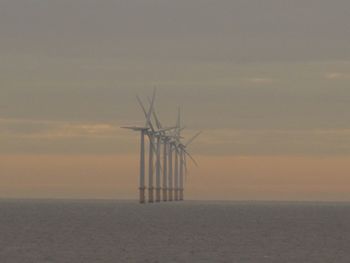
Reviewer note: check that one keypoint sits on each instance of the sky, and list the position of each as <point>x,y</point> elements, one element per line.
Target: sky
<point>266,81</point>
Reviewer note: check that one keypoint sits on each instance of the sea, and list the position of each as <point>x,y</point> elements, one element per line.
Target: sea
<point>83,231</point>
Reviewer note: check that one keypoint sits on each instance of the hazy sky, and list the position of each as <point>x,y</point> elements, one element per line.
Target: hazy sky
<point>267,82</point>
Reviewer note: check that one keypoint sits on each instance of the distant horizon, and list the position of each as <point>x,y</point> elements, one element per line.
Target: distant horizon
<point>136,201</point>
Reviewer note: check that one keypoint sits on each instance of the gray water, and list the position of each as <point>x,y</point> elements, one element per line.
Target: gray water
<point>116,231</point>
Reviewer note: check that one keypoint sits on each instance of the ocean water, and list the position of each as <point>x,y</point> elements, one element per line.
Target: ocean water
<point>124,231</point>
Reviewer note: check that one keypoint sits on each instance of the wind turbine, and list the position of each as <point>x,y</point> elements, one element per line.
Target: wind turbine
<point>158,135</point>
<point>171,148</point>
<point>173,174</point>
<point>165,167</point>
<point>176,150</point>
<point>176,171</point>
<point>150,133</point>
<point>183,163</point>
<point>181,153</point>
<point>143,131</point>
<point>174,146</point>
<point>161,138</point>
<point>154,135</point>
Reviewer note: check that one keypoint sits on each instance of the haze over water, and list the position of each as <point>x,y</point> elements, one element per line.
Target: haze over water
<point>60,231</point>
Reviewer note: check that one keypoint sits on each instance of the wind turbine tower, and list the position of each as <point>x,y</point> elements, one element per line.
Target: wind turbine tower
<point>181,188</point>
<point>144,131</point>
<point>176,181</point>
<point>170,172</point>
<point>158,188</point>
<point>165,168</point>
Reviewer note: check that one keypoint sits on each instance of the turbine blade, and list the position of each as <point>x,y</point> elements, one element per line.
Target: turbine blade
<point>192,139</point>
<point>148,117</point>
<point>141,105</point>
<point>178,123</point>
<point>151,143</point>
<point>155,167</point>
<point>189,155</point>
<point>159,125</point>
<point>144,111</point>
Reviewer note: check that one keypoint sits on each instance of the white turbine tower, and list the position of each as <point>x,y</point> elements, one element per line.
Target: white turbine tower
<point>176,171</point>
<point>144,131</point>
<point>176,150</point>
<point>165,168</point>
<point>170,171</point>
<point>181,188</point>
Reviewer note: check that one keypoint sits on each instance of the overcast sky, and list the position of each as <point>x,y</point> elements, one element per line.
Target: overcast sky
<point>260,78</point>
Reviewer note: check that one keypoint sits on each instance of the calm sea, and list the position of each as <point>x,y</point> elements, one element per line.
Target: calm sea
<point>124,231</point>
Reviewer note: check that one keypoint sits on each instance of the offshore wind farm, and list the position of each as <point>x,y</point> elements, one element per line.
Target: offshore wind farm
<point>96,166</point>
<point>171,187</point>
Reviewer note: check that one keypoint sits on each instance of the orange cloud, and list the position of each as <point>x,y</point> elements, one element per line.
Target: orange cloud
<point>337,75</point>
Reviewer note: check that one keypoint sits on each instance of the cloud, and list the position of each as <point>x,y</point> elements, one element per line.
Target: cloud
<point>237,135</point>
<point>56,129</point>
<point>28,136</point>
<point>337,75</point>
<point>274,141</point>
<point>261,80</point>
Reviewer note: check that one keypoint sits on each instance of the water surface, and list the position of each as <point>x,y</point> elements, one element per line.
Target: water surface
<point>124,231</point>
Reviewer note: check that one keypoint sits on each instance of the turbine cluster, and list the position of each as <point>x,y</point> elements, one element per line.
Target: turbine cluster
<point>167,162</point>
